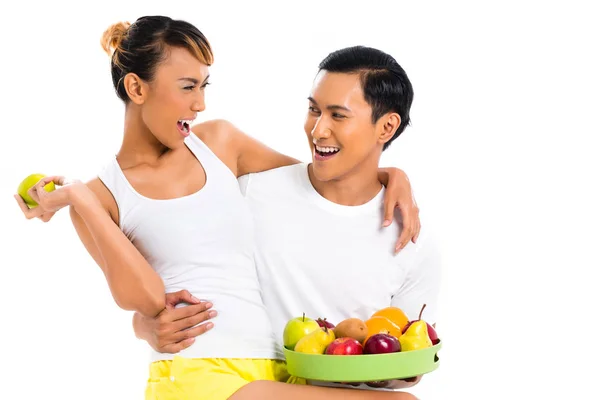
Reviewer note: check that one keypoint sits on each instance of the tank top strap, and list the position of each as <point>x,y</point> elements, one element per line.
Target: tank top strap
<point>212,164</point>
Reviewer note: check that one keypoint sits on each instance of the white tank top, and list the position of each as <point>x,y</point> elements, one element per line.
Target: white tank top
<point>204,243</point>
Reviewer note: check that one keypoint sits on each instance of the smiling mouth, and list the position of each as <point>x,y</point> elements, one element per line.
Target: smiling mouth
<point>323,153</point>
<point>184,126</point>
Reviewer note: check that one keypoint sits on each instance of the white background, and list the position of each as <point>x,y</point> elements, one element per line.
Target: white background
<point>501,153</point>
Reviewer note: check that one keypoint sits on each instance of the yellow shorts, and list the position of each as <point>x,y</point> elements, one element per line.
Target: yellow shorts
<point>210,378</point>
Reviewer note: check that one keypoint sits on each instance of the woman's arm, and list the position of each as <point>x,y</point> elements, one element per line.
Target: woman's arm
<point>135,286</point>
<point>240,152</point>
<point>244,154</point>
<point>133,283</point>
<point>399,194</point>
<point>255,156</point>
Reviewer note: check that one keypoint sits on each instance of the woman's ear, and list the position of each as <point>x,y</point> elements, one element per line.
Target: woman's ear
<point>136,88</point>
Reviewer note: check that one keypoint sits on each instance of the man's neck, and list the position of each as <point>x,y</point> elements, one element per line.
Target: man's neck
<point>355,188</point>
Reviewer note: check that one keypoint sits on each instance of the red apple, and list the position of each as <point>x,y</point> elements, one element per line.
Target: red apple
<point>382,343</point>
<point>430,331</point>
<point>344,346</point>
<point>324,323</point>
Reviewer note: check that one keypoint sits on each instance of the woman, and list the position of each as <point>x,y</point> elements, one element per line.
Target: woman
<point>166,214</point>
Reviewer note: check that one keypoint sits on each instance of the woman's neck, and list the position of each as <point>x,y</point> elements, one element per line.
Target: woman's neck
<point>139,145</point>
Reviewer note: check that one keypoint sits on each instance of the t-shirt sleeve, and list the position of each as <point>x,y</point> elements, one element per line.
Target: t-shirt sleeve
<point>244,182</point>
<point>422,283</point>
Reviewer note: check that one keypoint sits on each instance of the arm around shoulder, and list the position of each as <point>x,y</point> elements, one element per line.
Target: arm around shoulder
<point>250,155</point>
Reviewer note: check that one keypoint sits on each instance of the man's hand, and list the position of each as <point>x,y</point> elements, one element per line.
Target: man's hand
<point>175,329</point>
<point>396,383</point>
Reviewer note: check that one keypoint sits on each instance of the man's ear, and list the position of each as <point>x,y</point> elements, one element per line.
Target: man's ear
<point>136,88</point>
<point>389,125</point>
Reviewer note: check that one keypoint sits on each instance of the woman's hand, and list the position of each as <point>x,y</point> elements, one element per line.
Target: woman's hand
<point>50,202</point>
<point>399,194</point>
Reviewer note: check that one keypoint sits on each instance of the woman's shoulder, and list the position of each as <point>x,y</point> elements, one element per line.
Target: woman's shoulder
<point>221,138</point>
<point>105,196</point>
<point>215,132</point>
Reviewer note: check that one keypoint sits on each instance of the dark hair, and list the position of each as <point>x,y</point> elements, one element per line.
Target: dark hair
<point>385,85</point>
<point>140,47</point>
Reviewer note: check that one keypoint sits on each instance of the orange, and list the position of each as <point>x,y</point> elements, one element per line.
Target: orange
<point>394,314</point>
<point>379,324</point>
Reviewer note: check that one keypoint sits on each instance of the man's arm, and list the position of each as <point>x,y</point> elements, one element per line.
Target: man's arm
<point>422,282</point>
<point>421,286</point>
<point>175,329</point>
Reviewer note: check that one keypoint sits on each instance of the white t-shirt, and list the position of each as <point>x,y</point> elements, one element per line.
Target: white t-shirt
<point>332,261</point>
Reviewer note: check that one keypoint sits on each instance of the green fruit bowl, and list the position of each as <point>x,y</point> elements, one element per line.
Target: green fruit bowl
<point>364,367</point>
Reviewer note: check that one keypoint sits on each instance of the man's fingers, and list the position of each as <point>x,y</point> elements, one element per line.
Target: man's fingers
<point>188,298</point>
<point>188,311</point>
<point>183,339</point>
<point>192,332</point>
<point>194,320</point>
<point>182,296</point>
<point>177,347</point>
<point>378,384</point>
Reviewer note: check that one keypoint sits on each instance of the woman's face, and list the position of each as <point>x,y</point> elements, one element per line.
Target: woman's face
<point>175,96</point>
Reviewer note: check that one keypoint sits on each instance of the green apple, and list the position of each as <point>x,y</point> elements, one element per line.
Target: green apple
<point>296,329</point>
<point>28,183</point>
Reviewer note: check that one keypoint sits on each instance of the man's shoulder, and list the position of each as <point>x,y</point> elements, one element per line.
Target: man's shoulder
<point>427,243</point>
<point>278,179</point>
<point>423,258</point>
<point>288,172</point>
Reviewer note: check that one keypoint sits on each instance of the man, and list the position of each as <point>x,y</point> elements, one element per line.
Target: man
<point>320,247</point>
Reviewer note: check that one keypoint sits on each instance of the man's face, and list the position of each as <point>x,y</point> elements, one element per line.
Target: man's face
<point>338,125</point>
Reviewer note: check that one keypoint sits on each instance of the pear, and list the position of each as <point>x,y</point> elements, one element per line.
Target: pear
<point>416,335</point>
<point>315,342</point>
<point>430,329</point>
